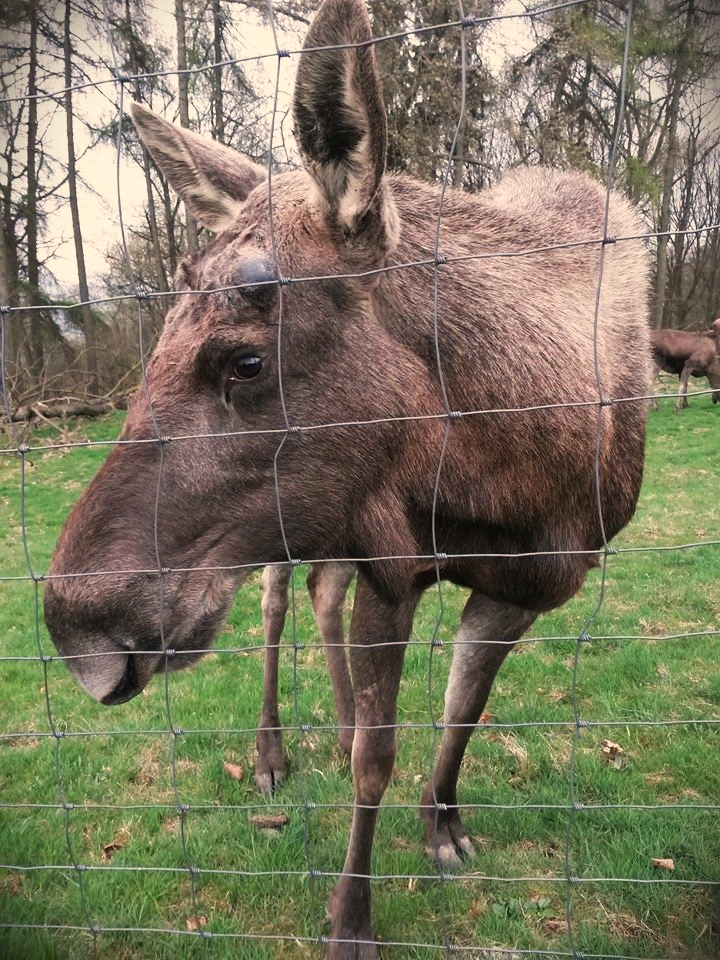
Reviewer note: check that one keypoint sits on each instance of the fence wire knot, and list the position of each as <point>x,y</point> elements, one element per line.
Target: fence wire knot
<point>610,239</point>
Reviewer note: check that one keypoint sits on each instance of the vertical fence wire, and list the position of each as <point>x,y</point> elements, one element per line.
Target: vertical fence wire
<point>198,872</point>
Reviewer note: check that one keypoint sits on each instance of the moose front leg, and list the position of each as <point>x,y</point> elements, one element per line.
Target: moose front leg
<point>487,633</point>
<point>379,633</point>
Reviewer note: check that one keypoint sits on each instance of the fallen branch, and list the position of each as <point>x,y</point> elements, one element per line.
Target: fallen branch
<point>46,409</point>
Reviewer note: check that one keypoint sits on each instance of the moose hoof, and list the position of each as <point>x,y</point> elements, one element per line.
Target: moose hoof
<point>446,840</point>
<point>271,767</point>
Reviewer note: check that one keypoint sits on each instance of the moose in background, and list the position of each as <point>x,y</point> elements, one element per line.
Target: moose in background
<point>364,367</point>
<point>687,354</point>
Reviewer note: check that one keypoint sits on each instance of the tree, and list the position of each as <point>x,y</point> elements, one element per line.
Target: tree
<point>88,318</point>
<point>423,71</point>
<point>565,92</point>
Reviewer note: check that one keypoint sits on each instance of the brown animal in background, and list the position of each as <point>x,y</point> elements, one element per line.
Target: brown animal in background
<point>686,354</point>
<point>361,415</point>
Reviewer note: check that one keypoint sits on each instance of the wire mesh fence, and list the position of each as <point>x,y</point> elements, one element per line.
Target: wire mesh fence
<point>590,791</point>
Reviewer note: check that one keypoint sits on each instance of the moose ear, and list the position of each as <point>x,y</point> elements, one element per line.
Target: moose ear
<point>212,179</point>
<point>340,122</point>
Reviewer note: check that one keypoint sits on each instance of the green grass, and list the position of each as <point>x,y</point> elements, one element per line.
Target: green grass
<point>102,813</point>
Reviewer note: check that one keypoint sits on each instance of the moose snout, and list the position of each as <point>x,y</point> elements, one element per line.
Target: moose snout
<point>97,649</point>
<point>115,633</point>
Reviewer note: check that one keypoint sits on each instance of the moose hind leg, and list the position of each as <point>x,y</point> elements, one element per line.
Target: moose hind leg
<point>328,585</point>
<point>271,767</point>
<point>487,633</point>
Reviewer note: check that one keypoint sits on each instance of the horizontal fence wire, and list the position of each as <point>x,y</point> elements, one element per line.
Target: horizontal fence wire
<point>176,756</point>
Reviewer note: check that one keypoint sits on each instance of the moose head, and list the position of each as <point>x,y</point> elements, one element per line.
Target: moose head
<point>361,366</point>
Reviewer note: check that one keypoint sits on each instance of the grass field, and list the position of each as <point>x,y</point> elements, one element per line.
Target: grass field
<point>123,836</point>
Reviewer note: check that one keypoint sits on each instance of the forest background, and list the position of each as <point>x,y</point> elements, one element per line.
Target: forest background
<point>541,89</point>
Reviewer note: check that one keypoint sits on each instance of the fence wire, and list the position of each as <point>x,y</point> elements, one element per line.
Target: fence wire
<point>77,794</point>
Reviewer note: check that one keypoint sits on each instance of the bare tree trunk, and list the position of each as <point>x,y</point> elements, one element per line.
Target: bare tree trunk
<point>218,112</point>
<point>88,320</point>
<point>162,279</point>
<point>675,87</point>
<point>184,106</point>
<point>9,272</point>
<point>33,341</point>
<point>663,224</point>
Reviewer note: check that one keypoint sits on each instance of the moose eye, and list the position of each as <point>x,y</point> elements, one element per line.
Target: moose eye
<point>247,367</point>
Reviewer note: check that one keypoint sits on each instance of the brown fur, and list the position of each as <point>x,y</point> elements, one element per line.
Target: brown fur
<point>457,442</point>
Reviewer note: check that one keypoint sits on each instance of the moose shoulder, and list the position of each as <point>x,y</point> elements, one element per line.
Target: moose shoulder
<point>339,378</point>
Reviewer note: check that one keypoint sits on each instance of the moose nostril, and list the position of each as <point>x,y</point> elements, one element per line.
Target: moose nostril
<point>126,689</point>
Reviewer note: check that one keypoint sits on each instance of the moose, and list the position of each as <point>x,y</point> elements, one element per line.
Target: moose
<point>364,367</point>
<point>686,354</point>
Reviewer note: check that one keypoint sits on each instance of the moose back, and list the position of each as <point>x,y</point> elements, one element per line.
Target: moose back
<point>436,386</point>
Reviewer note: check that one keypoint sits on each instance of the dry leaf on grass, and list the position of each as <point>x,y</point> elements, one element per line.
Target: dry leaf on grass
<point>196,923</point>
<point>234,770</point>
<point>274,822</point>
<point>612,753</point>
<point>12,885</point>
<point>665,863</point>
<point>512,747</point>
<point>117,843</point>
